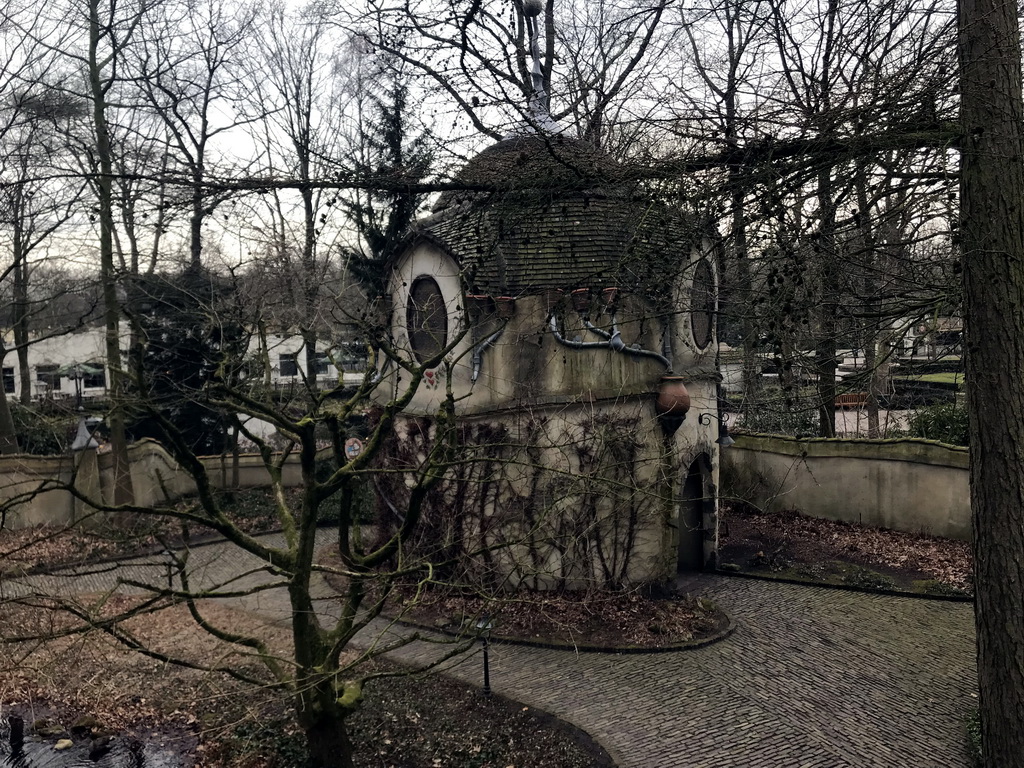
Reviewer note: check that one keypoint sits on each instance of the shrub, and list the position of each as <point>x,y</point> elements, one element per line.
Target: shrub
<point>946,422</point>
<point>974,738</point>
<point>364,502</point>
<point>776,419</point>
<point>40,433</point>
<point>275,743</point>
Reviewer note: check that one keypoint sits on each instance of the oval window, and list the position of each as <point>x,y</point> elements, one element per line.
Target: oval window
<point>702,304</point>
<point>426,318</point>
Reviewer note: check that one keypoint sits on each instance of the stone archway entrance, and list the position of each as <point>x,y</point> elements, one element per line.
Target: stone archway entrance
<point>690,523</point>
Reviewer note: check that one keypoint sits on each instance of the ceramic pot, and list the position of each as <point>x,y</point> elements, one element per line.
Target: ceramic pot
<point>673,400</point>
<point>479,306</point>
<point>581,300</point>
<point>610,297</point>
<point>552,298</point>
<point>506,306</point>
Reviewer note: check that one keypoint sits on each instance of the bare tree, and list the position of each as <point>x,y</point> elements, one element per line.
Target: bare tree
<point>324,682</point>
<point>110,29</point>
<point>33,204</point>
<point>298,86</point>
<point>732,89</point>
<point>611,51</point>
<point>39,200</point>
<point>190,65</point>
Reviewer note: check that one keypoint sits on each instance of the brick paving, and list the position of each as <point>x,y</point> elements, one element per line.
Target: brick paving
<point>811,677</point>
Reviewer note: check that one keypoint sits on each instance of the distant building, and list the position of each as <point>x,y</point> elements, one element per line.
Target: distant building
<point>290,367</point>
<point>63,366</point>
<point>71,366</point>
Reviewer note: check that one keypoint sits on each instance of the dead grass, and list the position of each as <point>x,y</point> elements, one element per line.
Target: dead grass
<point>28,550</point>
<point>92,673</point>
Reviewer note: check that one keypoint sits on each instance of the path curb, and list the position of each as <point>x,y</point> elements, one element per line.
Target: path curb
<point>844,587</point>
<point>689,645</point>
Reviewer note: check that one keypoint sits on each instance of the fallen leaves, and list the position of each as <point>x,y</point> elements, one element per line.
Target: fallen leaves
<point>803,539</point>
<point>591,618</point>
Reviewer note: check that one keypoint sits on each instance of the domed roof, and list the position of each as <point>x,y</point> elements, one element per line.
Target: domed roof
<point>554,212</point>
<point>533,166</point>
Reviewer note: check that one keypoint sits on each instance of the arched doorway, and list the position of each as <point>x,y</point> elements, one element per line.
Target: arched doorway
<point>690,525</point>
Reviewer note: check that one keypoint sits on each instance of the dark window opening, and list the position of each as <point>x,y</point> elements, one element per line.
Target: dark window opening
<point>354,357</point>
<point>288,365</point>
<point>9,380</point>
<point>426,319</point>
<point>323,364</point>
<point>93,375</point>
<point>49,376</point>
<point>702,304</point>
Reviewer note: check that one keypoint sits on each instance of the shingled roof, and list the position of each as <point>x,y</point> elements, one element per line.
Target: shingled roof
<point>550,212</point>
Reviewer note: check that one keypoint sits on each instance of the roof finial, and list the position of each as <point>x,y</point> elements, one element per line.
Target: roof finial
<point>540,112</point>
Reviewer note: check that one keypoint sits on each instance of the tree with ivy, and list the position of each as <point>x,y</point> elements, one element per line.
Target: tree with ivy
<point>185,337</point>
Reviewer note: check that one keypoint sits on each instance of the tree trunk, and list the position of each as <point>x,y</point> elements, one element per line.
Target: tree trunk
<point>8,434</point>
<point>743,291</point>
<point>235,460</point>
<point>196,220</point>
<point>123,492</point>
<point>992,225</point>
<point>329,744</point>
<point>827,330</point>
<point>872,310</point>
<point>873,382</point>
<point>21,310</point>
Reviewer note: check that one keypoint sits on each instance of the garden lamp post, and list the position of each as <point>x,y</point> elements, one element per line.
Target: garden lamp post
<point>724,438</point>
<point>484,627</point>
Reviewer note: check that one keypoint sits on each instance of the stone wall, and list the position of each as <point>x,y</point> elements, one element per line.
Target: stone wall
<point>919,486</point>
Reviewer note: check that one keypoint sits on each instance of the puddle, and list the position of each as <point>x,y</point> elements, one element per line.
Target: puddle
<point>19,748</point>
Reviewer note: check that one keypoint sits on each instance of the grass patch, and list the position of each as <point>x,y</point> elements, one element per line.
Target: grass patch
<point>866,578</point>
<point>974,739</point>
<point>941,378</point>
<point>939,588</point>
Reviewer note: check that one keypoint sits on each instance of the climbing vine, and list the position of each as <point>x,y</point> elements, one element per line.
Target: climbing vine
<point>543,502</point>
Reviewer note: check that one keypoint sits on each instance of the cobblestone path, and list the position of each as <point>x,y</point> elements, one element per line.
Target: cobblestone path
<point>811,677</point>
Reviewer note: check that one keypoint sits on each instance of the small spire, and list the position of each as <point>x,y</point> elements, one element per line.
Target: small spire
<point>540,109</point>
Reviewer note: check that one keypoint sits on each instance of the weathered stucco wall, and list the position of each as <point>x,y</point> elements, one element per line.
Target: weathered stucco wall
<point>582,492</point>
<point>589,489</point>
<point>34,489</point>
<point>526,365</point>
<point>906,485</point>
<point>28,493</point>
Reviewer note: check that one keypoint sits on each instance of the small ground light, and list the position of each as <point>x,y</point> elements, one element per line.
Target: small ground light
<point>484,627</point>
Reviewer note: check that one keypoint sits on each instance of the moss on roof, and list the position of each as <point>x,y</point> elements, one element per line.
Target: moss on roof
<point>535,167</point>
<point>551,212</point>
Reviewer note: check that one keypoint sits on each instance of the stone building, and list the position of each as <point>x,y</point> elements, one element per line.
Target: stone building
<point>579,318</point>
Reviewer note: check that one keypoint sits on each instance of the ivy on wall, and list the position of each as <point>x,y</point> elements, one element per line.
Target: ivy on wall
<point>542,502</point>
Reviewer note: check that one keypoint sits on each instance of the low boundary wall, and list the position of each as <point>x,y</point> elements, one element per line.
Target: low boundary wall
<point>913,485</point>
<point>40,483</point>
